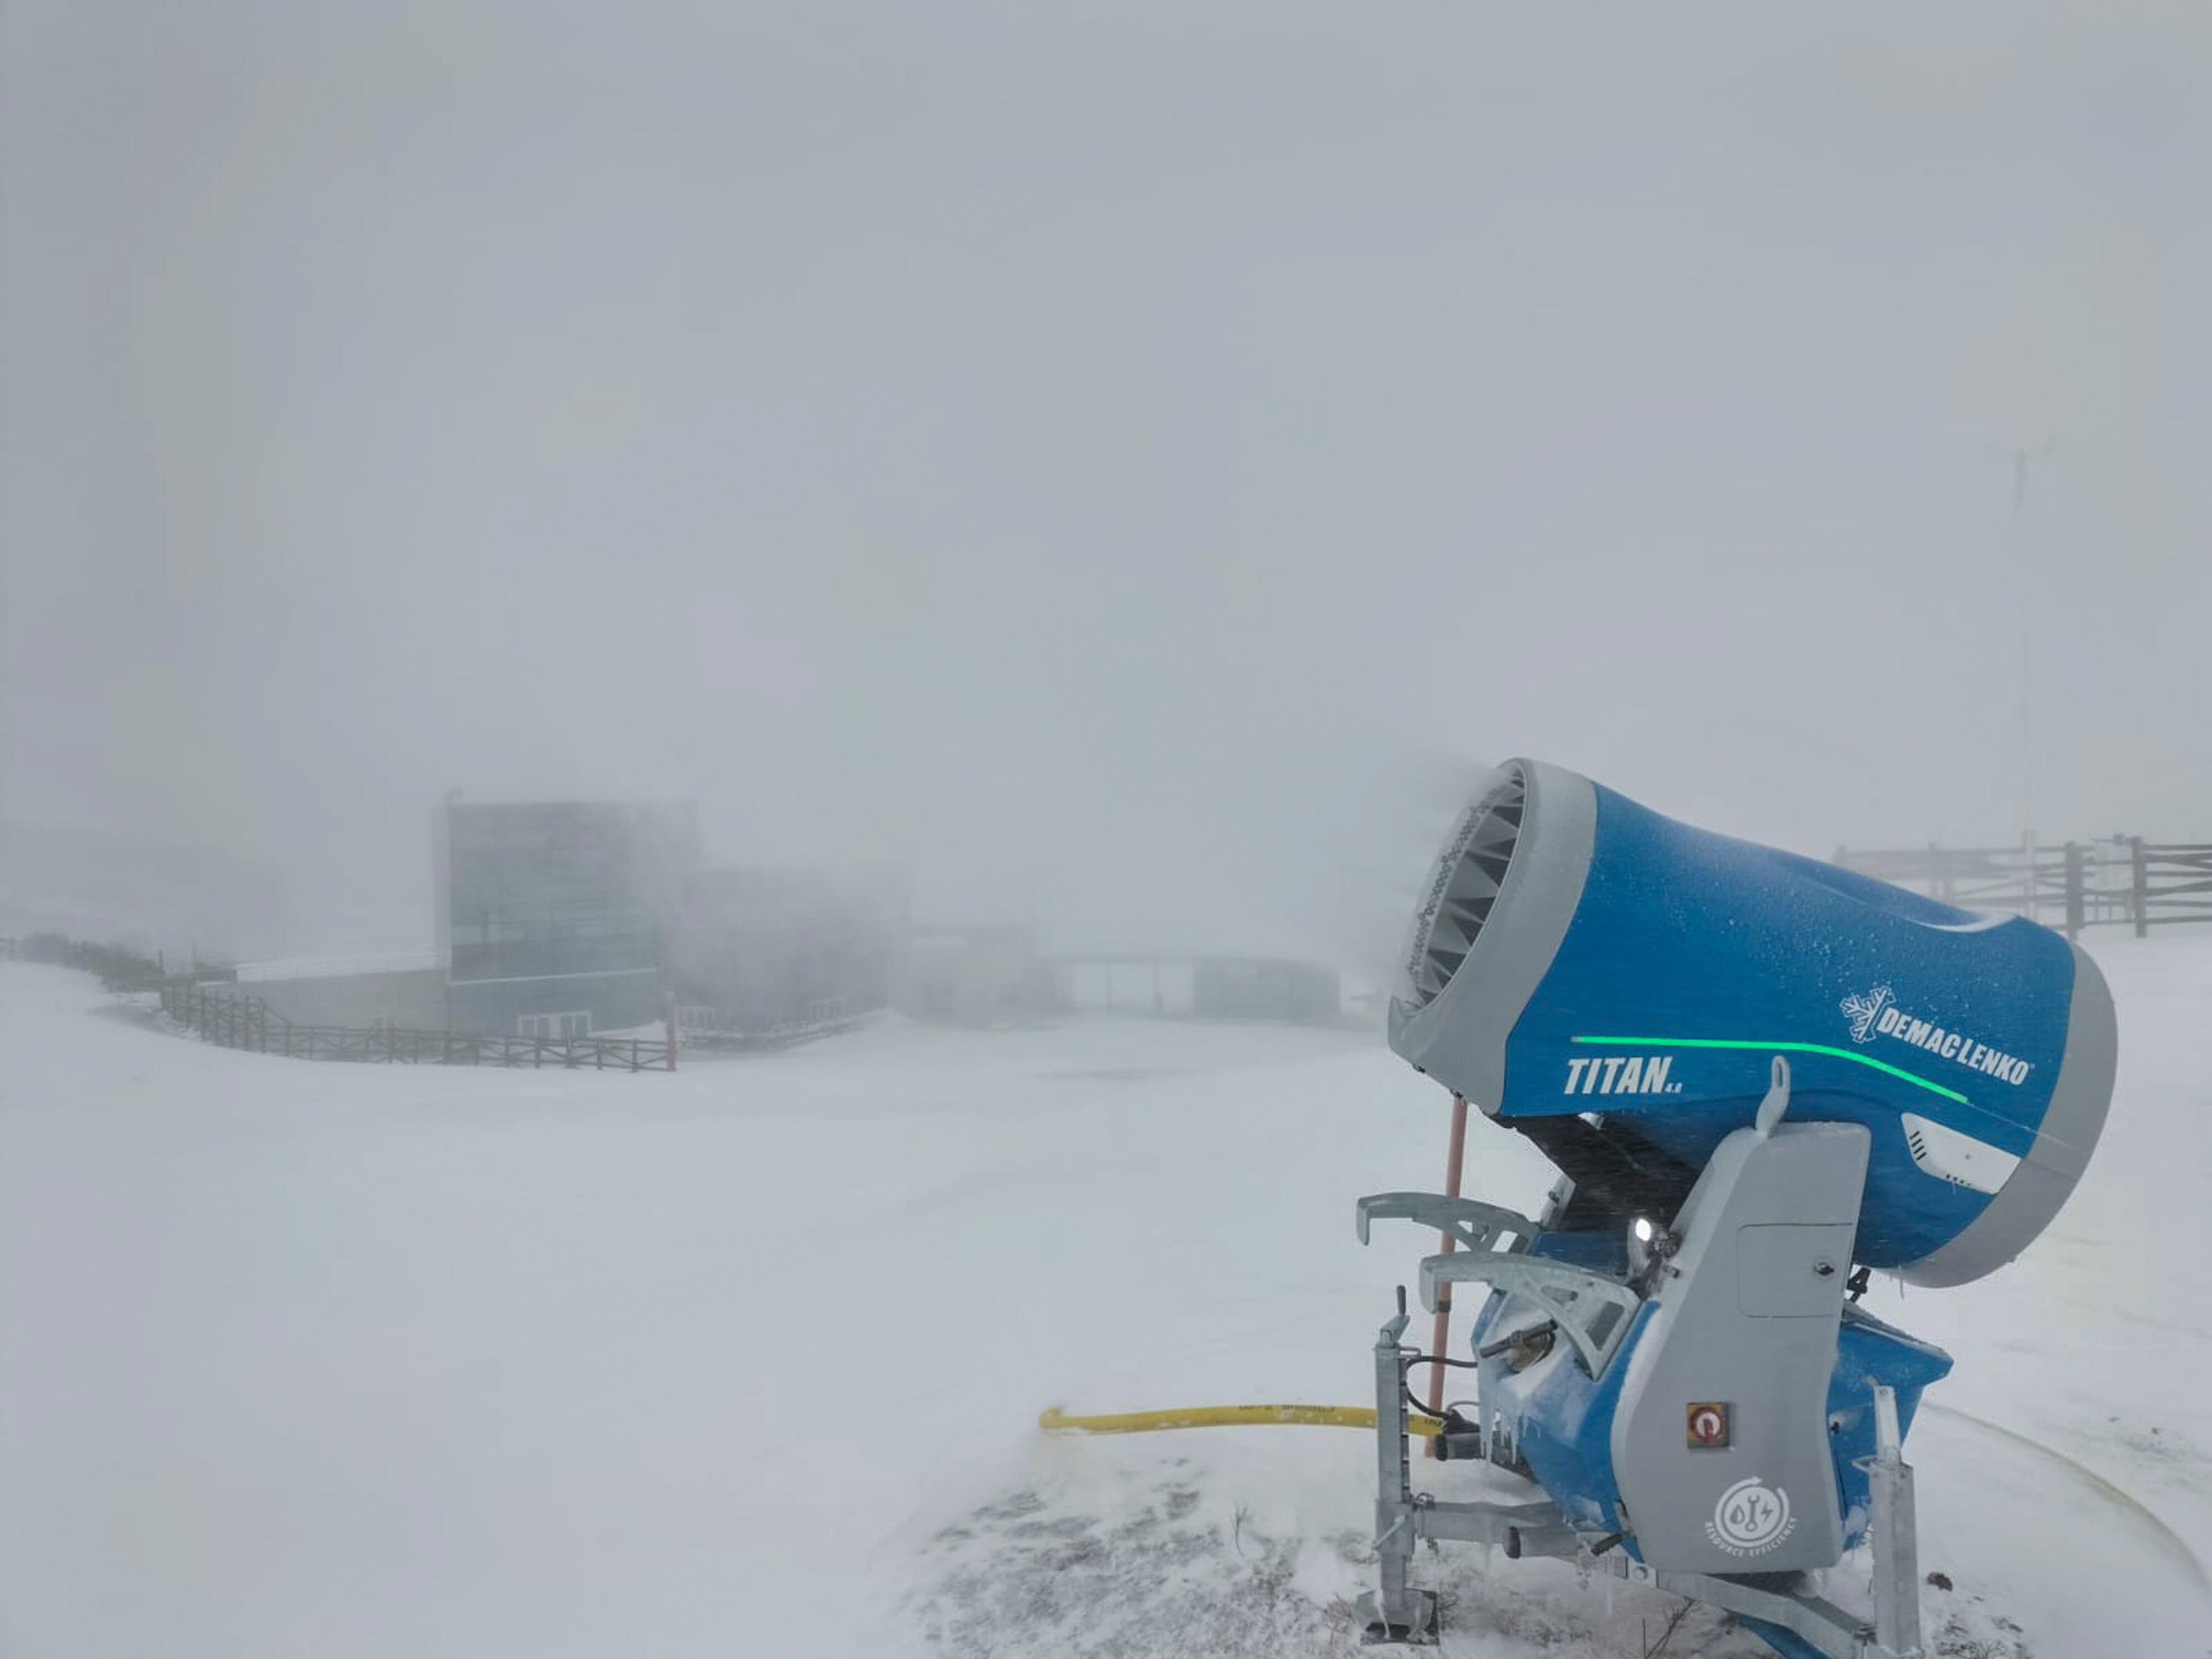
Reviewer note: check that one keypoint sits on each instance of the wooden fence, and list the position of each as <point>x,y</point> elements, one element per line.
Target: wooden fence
<point>249,1022</point>
<point>2122,881</point>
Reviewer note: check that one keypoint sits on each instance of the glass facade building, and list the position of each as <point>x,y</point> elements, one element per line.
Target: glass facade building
<point>555,910</point>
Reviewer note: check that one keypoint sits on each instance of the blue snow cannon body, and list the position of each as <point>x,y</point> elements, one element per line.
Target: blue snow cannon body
<point>1761,1078</point>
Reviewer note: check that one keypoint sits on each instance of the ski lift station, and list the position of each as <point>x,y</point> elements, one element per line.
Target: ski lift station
<point>565,919</point>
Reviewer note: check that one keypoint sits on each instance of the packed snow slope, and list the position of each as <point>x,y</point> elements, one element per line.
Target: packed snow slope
<point>303,1358</point>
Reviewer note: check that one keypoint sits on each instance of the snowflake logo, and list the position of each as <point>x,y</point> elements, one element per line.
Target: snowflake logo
<point>1863,1011</point>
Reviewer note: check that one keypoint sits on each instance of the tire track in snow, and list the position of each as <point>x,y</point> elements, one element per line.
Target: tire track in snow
<point>2172,1542</point>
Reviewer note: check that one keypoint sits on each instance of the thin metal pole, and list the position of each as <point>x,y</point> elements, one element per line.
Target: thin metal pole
<point>1452,1161</point>
<point>2024,619</point>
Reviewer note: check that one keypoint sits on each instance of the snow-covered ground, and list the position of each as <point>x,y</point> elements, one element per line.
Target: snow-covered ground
<point>302,1359</point>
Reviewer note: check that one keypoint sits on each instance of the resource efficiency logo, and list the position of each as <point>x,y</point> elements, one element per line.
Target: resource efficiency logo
<point>1751,1518</point>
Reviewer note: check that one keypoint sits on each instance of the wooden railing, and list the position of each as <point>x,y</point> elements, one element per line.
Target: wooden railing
<point>249,1022</point>
<point>2122,881</point>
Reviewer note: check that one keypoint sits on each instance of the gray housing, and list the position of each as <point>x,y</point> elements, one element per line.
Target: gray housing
<point>1493,915</point>
<point>2027,1203</point>
<point>1747,1317</point>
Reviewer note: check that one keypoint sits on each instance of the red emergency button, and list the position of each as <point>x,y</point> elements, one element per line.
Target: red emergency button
<point>1708,1425</point>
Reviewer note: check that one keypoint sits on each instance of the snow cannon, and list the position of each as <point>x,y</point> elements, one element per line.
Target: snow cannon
<point>1613,984</point>
<point>1761,1078</point>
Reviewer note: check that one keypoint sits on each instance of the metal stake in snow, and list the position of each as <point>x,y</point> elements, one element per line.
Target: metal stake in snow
<point>1894,1534</point>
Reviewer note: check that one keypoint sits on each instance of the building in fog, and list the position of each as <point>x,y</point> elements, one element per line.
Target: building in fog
<point>759,950</point>
<point>973,975</point>
<point>552,914</point>
<point>564,919</point>
<point>1201,987</point>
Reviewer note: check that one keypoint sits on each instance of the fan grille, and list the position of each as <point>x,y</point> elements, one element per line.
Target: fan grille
<point>1469,874</point>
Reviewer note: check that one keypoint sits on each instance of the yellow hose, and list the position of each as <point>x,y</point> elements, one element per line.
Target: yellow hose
<point>1054,1421</point>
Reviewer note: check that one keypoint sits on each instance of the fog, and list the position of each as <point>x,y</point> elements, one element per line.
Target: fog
<point>1134,467</point>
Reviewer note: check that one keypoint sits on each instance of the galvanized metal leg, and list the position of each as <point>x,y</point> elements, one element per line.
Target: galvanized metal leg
<point>1896,1536</point>
<point>1399,1613</point>
<point>1394,1478</point>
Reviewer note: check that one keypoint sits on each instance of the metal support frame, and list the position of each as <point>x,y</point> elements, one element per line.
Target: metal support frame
<point>1403,1517</point>
<point>1473,1224</point>
<point>1594,1312</point>
<point>1397,1613</point>
<point>1782,1599</point>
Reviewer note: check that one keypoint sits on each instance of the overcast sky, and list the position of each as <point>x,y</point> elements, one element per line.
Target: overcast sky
<point>1126,461</point>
